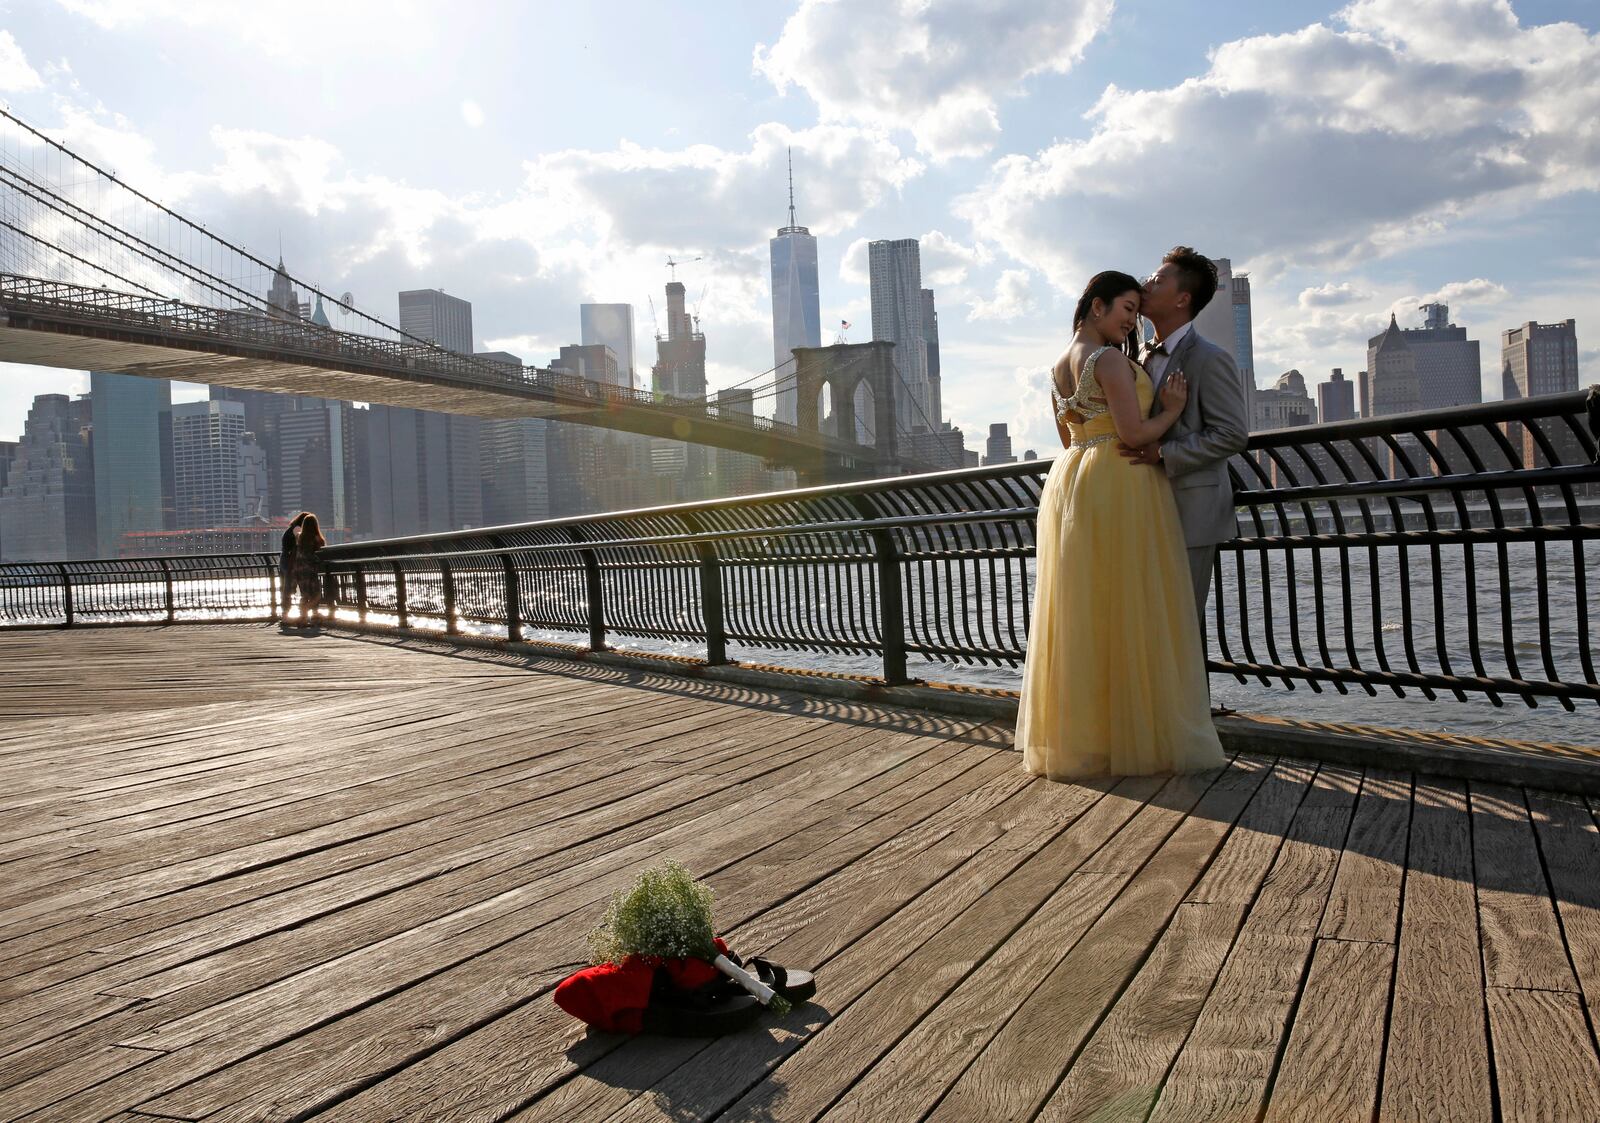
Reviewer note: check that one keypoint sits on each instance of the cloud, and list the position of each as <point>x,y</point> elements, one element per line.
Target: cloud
<point>935,67</point>
<point>1331,294</point>
<point>1013,297</point>
<point>1328,146</point>
<point>853,264</point>
<point>472,113</point>
<point>1473,292</point>
<point>946,261</point>
<point>15,73</point>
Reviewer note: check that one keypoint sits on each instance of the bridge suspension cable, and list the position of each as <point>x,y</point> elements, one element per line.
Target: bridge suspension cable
<point>119,217</point>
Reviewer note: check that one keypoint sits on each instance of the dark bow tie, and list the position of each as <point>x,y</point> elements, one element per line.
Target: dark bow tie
<point>1154,348</point>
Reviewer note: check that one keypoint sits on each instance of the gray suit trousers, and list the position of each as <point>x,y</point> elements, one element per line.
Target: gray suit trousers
<point>1201,559</point>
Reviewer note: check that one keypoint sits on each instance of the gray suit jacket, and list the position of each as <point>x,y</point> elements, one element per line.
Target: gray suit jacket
<point>1214,425</point>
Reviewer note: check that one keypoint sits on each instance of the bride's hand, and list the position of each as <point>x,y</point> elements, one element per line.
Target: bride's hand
<point>1174,391</point>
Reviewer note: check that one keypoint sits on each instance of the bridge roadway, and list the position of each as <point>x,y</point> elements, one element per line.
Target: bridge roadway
<point>254,876</point>
<point>48,323</point>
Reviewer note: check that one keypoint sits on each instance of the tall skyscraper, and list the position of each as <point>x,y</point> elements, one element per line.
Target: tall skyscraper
<point>896,275</point>
<point>796,309</point>
<point>438,317</point>
<point>681,470</point>
<point>282,299</point>
<point>1538,359</point>
<point>1216,320</point>
<point>47,504</point>
<point>1286,405</point>
<point>998,450</point>
<point>1392,373</point>
<point>594,361</point>
<point>206,466</point>
<point>680,369</point>
<point>1449,372</point>
<point>314,474</point>
<point>1244,347</point>
<point>425,467</point>
<point>128,482</point>
<point>1535,360</point>
<point>255,492</point>
<point>516,470</point>
<point>1283,405</point>
<point>930,345</point>
<point>1392,367</point>
<point>1336,398</point>
<point>612,326</point>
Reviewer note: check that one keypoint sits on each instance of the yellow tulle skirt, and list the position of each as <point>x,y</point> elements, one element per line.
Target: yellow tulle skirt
<point>1115,679</point>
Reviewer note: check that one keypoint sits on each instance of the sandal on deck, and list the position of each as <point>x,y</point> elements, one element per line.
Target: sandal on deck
<point>795,985</point>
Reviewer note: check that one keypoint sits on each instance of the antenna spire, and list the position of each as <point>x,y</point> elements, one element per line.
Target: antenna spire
<point>791,186</point>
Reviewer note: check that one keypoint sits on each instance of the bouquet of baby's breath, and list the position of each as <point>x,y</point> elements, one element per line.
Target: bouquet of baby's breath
<point>667,915</point>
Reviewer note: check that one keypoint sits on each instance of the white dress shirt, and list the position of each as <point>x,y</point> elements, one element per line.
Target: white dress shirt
<point>1156,364</point>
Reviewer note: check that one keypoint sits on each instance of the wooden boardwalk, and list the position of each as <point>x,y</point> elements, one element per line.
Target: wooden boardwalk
<point>253,876</point>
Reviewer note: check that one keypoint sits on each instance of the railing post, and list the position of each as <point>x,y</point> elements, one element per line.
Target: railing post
<point>66,594</point>
<point>596,596</point>
<point>274,576</point>
<point>400,595</point>
<point>447,579</point>
<point>513,594</point>
<point>166,577</point>
<point>891,608</point>
<point>710,596</point>
<point>361,595</point>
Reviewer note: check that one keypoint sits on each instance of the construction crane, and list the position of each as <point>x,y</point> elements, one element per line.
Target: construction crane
<point>655,324</point>
<point>697,303</point>
<point>672,266</point>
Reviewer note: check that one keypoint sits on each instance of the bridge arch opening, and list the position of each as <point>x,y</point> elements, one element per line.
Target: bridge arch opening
<point>825,418</point>
<point>865,404</point>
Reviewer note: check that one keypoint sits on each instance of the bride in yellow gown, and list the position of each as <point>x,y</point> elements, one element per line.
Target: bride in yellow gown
<point>1115,679</point>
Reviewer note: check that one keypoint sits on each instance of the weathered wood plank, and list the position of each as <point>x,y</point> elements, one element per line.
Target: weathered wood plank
<point>1019,1068</point>
<point>1569,844</point>
<point>1225,1068</point>
<point>1120,1071</point>
<point>1331,1067</point>
<point>1365,902</point>
<point>1436,1064</point>
<point>1545,1064</point>
<point>1522,945</point>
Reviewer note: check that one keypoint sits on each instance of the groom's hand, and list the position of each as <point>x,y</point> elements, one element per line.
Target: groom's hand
<point>1147,454</point>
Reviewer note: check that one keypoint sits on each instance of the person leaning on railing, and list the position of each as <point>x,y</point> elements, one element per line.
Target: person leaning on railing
<point>307,572</point>
<point>286,560</point>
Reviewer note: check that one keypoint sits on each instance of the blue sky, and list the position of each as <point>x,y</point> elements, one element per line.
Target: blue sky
<point>1355,159</point>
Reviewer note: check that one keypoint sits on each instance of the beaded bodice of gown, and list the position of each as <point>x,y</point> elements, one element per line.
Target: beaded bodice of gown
<point>1088,401</point>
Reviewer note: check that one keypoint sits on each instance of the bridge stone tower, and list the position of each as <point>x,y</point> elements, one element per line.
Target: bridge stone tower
<point>842,368</point>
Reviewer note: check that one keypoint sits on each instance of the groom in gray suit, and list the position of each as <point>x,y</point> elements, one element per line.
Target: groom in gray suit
<point>1215,421</point>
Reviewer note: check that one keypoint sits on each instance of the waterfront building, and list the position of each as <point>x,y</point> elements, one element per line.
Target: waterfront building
<point>796,308</point>
<point>1336,398</point>
<point>1392,367</point>
<point>1535,360</point>
<point>1283,405</point>
<point>516,459</point>
<point>47,504</point>
<point>595,362</point>
<point>437,317</point>
<point>207,481</point>
<point>610,325</point>
<point>930,344</point>
<point>998,450</point>
<point>132,443</point>
<point>1449,368</point>
<point>679,372</point>
<point>895,268</point>
<point>1216,321</point>
<point>739,473</point>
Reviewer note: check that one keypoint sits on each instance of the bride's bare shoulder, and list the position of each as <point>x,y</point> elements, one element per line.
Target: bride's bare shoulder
<point>1063,363</point>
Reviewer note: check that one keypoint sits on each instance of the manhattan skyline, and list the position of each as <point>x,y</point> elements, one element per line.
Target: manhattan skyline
<point>1372,190</point>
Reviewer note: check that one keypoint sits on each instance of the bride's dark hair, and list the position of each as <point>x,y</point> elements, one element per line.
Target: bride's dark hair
<point>1106,287</point>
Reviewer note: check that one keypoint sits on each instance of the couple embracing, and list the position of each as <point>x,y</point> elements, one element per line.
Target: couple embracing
<point>1128,527</point>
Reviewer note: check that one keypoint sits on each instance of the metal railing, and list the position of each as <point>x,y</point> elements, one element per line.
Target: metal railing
<point>1443,552</point>
<point>1446,553</point>
<point>161,590</point>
